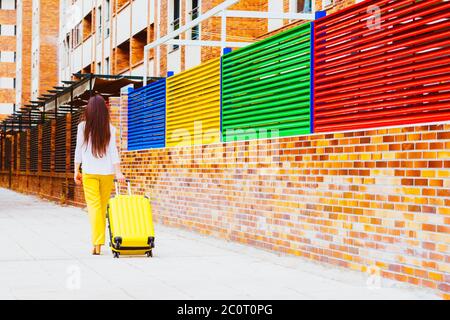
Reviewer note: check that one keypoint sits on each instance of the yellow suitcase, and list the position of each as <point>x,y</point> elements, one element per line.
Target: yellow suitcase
<point>130,224</point>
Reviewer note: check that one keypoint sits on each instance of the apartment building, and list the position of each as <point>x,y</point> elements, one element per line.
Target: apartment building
<point>28,51</point>
<point>8,28</point>
<point>37,48</point>
<point>109,36</point>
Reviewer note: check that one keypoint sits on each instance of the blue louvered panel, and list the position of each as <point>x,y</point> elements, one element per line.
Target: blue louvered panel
<point>147,116</point>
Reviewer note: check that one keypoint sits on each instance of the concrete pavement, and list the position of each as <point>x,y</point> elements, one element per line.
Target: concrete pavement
<point>45,254</point>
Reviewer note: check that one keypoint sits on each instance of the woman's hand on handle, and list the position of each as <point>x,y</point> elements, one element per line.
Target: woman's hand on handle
<point>78,178</point>
<point>120,177</point>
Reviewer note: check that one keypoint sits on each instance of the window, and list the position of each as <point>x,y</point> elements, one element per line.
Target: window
<point>6,108</point>
<point>7,56</point>
<point>67,48</point>
<point>99,68</point>
<point>7,83</point>
<point>107,17</point>
<point>175,24</point>
<point>99,23</point>
<point>107,66</point>
<point>301,6</point>
<point>76,36</point>
<point>8,4</point>
<point>329,3</point>
<point>108,10</point>
<point>193,14</point>
<point>7,30</point>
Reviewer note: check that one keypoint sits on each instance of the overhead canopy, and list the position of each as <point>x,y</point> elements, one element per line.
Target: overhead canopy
<point>69,97</point>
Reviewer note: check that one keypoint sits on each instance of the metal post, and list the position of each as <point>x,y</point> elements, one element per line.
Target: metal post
<point>43,114</point>
<point>12,120</point>
<point>223,32</point>
<point>90,85</point>
<point>71,99</point>
<point>145,67</point>
<point>56,106</point>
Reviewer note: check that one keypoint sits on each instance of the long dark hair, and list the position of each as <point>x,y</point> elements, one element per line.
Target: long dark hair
<point>97,128</point>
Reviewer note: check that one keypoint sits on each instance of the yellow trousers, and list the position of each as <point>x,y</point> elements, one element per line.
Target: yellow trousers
<point>97,191</point>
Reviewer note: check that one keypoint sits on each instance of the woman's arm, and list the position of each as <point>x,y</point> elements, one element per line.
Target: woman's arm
<point>114,152</point>
<point>78,158</point>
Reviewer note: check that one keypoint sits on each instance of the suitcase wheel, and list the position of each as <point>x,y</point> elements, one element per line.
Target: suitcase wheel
<point>116,254</point>
<point>149,254</point>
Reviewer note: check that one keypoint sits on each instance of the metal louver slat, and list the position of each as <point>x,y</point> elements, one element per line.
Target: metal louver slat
<point>392,70</point>
<point>147,116</point>
<point>34,140</point>
<point>46,146</point>
<point>7,159</point>
<point>2,149</point>
<point>266,87</point>
<point>193,106</point>
<point>60,144</point>
<point>23,150</point>
<point>14,159</point>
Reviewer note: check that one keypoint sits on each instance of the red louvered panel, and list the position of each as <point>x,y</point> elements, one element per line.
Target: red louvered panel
<point>382,63</point>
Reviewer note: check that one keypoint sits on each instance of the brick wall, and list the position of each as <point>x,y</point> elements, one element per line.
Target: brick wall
<point>362,199</point>
<point>25,54</point>
<point>375,198</point>
<point>7,16</point>
<point>49,33</point>
<point>7,70</point>
<point>7,96</point>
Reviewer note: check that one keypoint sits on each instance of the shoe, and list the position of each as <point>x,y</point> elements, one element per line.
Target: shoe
<point>97,250</point>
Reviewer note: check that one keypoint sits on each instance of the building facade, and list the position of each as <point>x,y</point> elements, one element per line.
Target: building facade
<point>109,36</point>
<point>44,42</point>
<point>8,41</point>
<point>37,48</point>
<point>28,51</point>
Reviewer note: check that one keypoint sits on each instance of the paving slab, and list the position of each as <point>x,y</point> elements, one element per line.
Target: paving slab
<point>46,255</point>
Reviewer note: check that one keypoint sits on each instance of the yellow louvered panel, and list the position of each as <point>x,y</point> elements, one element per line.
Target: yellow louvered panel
<point>193,106</point>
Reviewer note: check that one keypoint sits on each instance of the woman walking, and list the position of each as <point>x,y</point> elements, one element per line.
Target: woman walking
<point>96,150</point>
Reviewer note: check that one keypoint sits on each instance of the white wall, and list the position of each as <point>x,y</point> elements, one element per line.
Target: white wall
<point>138,71</point>
<point>107,47</point>
<point>98,53</point>
<point>19,56</point>
<point>87,6</point>
<point>123,25</point>
<point>76,59</point>
<point>152,11</point>
<point>35,49</point>
<point>275,6</point>
<point>174,61</point>
<point>87,52</point>
<point>6,108</point>
<point>139,15</point>
<point>193,56</point>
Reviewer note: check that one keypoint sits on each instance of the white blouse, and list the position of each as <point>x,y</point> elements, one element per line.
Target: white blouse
<point>91,164</point>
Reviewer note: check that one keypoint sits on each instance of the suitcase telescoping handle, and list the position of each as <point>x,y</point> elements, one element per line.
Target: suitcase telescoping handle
<point>116,184</point>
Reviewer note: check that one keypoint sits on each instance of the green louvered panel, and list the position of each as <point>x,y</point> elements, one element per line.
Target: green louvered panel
<point>266,87</point>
